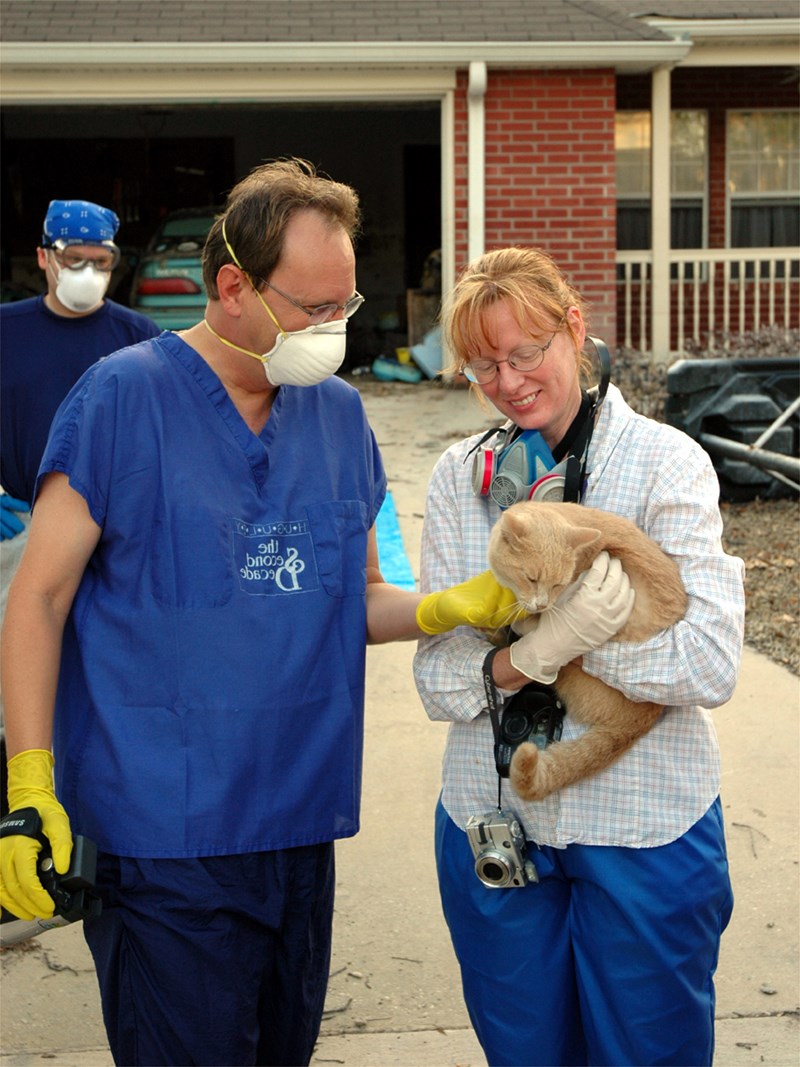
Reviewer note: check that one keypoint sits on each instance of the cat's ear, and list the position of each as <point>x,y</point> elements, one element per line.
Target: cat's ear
<point>582,536</point>
<point>514,525</point>
<point>584,540</point>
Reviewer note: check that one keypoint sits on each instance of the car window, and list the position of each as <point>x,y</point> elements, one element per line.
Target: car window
<point>191,227</point>
<point>181,233</point>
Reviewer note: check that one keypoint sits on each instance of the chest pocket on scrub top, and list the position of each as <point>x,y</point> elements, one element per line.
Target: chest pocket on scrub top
<point>339,530</point>
<point>191,556</point>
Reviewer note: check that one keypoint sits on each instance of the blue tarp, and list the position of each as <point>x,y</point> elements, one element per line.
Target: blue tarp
<point>394,562</point>
<point>428,354</point>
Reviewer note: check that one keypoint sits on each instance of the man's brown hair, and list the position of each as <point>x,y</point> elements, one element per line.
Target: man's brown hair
<point>258,210</point>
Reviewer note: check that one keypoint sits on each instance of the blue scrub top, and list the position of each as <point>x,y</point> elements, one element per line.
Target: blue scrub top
<point>42,355</point>
<point>212,682</point>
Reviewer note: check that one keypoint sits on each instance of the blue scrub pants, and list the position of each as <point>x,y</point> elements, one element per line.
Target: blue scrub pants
<point>220,960</point>
<point>609,959</point>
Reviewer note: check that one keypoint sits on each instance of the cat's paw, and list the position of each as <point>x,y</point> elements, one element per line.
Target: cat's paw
<point>523,771</point>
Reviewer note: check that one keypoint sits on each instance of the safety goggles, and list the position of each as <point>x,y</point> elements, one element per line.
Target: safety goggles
<point>73,256</point>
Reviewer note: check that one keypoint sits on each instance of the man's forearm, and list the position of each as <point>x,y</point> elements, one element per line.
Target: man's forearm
<point>31,655</point>
<point>391,613</point>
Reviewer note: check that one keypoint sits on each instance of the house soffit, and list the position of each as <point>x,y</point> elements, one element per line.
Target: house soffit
<point>773,41</point>
<point>239,83</point>
<point>355,55</point>
<point>116,73</point>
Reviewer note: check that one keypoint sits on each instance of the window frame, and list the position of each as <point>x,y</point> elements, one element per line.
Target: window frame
<point>699,198</point>
<point>758,198</point>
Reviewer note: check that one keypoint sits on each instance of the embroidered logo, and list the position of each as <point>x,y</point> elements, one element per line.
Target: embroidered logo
<point>275,557</point>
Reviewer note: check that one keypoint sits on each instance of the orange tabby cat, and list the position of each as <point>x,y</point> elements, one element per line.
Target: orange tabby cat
<point>537,549</point>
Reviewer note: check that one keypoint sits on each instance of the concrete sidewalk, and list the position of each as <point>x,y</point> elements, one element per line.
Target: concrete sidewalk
<point>394,998</point>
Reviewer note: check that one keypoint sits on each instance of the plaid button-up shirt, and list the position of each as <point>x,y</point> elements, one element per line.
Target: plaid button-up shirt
<point>662,481</point>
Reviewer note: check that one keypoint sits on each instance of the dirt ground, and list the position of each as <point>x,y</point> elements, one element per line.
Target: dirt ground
<point>766,535</point>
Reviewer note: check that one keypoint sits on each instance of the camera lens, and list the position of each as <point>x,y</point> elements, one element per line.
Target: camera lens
<point>493,872</point>
<point>493,869</point>
<point>516,727</point>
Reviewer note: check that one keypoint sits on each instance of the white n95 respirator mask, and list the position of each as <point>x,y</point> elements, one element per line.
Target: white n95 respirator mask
<point>300,357</point>
<point>81,290</point>
<point>306,357</point>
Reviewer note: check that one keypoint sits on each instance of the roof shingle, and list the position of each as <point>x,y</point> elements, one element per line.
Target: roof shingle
<point>319,20</point>
<point>329,21</point>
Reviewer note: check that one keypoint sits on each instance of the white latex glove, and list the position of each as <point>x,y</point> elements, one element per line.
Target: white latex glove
<point>585,616</point>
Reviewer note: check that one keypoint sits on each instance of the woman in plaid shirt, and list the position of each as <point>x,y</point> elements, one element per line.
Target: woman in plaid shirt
<point>609,957</point>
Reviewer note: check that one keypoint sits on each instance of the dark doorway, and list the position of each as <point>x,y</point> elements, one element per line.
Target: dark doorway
<point>422,171</point>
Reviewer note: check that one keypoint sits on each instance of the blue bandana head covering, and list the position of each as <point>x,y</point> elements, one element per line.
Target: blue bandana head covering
<point>78,222</point>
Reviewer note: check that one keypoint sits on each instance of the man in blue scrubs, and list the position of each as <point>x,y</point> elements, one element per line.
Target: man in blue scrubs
<point>188,631</point>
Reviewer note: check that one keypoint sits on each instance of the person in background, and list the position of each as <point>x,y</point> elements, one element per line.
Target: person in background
<point>610,957</point>
<point>188,629</point>
<point>46,343</point>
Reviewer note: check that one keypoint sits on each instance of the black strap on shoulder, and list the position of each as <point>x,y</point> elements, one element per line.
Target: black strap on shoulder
<point>576,463</point>
<point>577,438</point>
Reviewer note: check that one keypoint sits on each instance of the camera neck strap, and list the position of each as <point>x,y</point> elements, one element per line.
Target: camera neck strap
<point>493,701</point>
<point>492,696</point>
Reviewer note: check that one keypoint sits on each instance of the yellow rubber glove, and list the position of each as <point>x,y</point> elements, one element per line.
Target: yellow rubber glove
<point>481,602</point>
<point>30,785</point>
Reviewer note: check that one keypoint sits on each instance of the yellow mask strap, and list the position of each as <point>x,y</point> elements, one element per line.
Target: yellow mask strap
<point>235,259</point>
<point>230,344</point>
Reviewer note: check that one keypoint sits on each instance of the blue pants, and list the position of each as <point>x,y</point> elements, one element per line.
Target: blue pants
<point>609,959</point>
<point>221,960</point>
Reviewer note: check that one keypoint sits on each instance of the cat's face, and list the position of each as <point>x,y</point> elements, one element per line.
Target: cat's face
<point>536,556</point>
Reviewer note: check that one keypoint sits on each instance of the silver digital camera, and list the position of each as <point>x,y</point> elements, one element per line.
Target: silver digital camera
<point>498,845</point>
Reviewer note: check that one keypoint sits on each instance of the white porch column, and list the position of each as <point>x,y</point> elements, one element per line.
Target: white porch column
<point>660,211</point>
<point>476,191</point>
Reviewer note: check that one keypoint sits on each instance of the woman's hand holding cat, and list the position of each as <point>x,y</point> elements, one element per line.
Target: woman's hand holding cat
<point>480,601</point>
<point>585,616</point>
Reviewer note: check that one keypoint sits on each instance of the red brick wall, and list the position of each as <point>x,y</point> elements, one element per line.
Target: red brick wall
<point>550,176</point>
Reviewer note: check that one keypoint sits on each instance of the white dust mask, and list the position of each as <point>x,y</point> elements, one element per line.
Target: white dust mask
<point>302,357</point>
<point>81,290</point>
<point>306,357</point>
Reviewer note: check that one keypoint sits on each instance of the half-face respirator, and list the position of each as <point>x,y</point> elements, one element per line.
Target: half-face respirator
<point>520,466</point>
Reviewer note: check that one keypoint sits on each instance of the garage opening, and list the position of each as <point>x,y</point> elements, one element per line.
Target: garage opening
<point>145,161</point>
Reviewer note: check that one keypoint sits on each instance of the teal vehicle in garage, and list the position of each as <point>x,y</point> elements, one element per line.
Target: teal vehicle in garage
<point>168,282</point>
